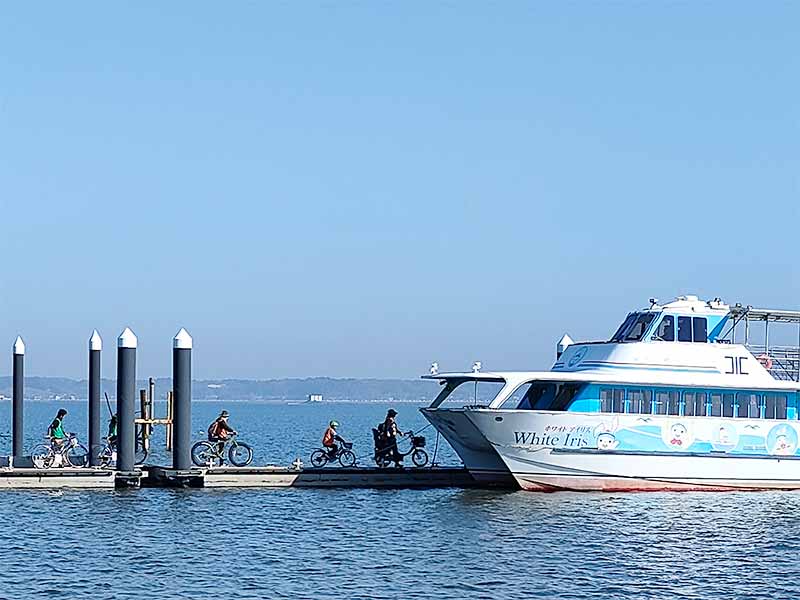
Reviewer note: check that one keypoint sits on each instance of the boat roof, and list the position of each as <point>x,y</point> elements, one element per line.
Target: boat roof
<point>641,377</point>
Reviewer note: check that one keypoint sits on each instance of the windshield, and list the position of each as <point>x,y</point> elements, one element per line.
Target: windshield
<point>469,392</point>
<point>634,327</point>
<point>543,395</point>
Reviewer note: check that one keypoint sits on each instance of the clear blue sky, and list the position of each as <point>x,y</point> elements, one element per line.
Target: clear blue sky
<point>357,189</point>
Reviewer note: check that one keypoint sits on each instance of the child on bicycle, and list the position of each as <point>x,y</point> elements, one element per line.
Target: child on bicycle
<point>329,439</point>
<point>219,430</point>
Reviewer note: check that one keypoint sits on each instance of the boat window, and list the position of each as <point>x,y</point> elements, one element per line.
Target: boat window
<point>620,333</point>
<point>673,403</point>
<point>684,329</point>
<point>727,405</point>
<point>639,327</point>
<point>566,393</point>
<point>662,399</point>
<point>640,401</point>
<point>619,401</point>
<point>606,400</point>
<point>666,329</point>
<point>700,329</point>
<point>775,406</point>
<point>748,405</point>
<point>716,405</point>
<point>694,404</point>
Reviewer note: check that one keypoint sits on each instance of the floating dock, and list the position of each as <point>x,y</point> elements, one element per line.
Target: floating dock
<point>280,477</point>
<point>29,478</point>
<point>235,477</point>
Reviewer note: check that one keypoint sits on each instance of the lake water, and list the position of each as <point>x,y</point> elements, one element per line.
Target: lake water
<point>355,543</point>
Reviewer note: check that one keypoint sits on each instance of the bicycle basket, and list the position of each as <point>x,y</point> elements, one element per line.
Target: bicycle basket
<point>418,441</point>
<point>347,445</point>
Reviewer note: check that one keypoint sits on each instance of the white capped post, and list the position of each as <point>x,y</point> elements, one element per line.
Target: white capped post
<point>126,393</point>
<point>17,395</point>
<point>95,342</point>
<point>182,400</point>
<point>182,340</point>
<point>127,339</point>
<point>95,408</point>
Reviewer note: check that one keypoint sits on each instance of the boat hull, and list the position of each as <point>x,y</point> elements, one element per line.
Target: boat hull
<point>552,452</point>
<point>479,457</point>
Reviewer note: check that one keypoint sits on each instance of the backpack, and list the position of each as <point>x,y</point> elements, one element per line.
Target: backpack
<point>213,429</point>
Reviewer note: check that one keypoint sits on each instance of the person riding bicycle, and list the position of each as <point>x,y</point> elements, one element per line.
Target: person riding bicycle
<point>330,438</point>
<point>389,432</point>
<point>111,437</point>
<point>56,431</point>
<point>220,430</point>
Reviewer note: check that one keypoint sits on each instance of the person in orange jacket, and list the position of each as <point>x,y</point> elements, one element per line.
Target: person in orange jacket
<point>330,438</point>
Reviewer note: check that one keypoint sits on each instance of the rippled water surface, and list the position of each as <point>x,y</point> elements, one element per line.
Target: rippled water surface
<point>449,543</point>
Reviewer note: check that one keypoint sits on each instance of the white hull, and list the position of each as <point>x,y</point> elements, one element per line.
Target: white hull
<point>479,456</point>
<point>538,467</point>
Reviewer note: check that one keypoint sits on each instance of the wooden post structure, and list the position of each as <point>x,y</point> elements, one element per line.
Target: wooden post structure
<point>169,420</point>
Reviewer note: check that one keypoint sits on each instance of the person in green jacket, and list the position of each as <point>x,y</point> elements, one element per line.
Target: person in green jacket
<point>56,431</point>
<point>112,431</point>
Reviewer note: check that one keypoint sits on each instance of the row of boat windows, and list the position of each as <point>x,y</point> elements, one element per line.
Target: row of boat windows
<point>747,405</point>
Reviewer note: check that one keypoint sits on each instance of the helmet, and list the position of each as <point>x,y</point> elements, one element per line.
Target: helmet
<point>334,424</point>
<point>62,412</point>
<point>224,414</point>
<point>391,413</point>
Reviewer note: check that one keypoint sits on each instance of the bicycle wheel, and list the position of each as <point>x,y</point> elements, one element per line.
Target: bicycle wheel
<point>105,456</point>
<point>319,458</point>
<point>240,454</point>
<point>141,453</point>
<point>204,454</point>
<point>42,456</point>
<point>347,458</point>
<point>77,456</point>
<point>419,457</point>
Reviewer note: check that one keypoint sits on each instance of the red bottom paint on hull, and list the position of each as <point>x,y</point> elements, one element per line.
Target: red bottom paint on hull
<point>622,484</point>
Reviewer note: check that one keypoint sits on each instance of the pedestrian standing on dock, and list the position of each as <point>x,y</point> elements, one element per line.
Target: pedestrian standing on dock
<point>56,431</point>
<point>390,433</point>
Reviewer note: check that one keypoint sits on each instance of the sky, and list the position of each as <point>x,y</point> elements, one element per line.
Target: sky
<point>357,189</point>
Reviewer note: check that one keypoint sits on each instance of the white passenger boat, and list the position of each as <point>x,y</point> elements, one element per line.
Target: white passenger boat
<point>670,402</point>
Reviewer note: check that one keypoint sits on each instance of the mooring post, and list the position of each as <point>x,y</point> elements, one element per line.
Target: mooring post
<point>17,391</point>
<point>182,400</point>
<point>126,400</point>
<point>95,408</point>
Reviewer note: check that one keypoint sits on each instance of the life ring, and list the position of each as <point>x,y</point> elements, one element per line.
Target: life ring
<point>765,360</point>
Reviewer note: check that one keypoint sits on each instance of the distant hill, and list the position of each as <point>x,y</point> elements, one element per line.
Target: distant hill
<point>396,390</point>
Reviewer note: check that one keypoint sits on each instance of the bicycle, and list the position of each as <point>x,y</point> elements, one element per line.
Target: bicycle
<point>212,454</point>
<point>69,453</point>
<point>108,453</point>
<point>347,458</point>
<point>384,455</point>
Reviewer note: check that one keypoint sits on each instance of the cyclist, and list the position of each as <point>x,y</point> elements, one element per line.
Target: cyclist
<point>330,438</point>
<point>112,431</point>
<point>219,431</point>
<point>56,431</point>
